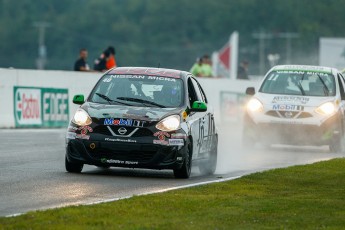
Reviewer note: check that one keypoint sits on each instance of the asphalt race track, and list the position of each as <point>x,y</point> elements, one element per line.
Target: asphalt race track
<point>32,173</point>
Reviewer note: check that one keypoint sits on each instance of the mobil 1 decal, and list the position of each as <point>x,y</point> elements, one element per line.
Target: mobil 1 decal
<point>206,134</point>
<point>42,107</point>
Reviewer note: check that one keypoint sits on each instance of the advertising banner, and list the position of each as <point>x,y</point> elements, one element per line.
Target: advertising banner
<point>40,107</point>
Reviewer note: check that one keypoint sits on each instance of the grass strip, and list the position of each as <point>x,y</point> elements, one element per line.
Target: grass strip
<point>298,197</point>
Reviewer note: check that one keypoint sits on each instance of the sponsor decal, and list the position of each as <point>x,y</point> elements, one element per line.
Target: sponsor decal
<point>124,122</point>
<point>148,71</point>
<point>85,130</point>
<point>288,107</point>
<point>160,142</point>
<point>46,107</point>
<point>178,136</point>
<point>301,72</point>
<point>71,135</point>
<point>120,140</point>
<point>160,78</point>
<point>292,99</point>
<point>27,106</point>
<point>92,146</point>
<point>72,129</point>
<point>113,161</point>
<point>161,135</point>
<point>176,142</point>
<point>82,136</point>
<point>184,115</point>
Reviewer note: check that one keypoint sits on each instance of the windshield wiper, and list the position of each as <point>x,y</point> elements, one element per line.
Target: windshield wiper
<point>110,100</point>
<point>141,101</point>
<point>325,88</point>
<point>299,85</point>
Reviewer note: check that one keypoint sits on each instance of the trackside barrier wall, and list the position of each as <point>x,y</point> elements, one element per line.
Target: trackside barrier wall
<point>43,98</point>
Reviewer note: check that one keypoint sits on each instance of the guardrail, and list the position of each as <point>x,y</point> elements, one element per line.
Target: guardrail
<point>43,98</point>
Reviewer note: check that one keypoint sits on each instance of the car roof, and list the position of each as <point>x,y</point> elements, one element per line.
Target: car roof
<point>305,68</point>
<point>173,73</point>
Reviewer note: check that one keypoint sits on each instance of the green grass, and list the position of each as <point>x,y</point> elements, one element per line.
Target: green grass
<point>299,197</point>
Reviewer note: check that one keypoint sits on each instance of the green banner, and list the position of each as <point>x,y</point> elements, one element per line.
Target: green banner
<point>40,107</point>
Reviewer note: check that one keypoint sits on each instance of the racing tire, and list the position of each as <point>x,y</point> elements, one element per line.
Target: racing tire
<point>73,167</point>
<point>209,167</point>
<point>185,171</point>
<point>337,144</point>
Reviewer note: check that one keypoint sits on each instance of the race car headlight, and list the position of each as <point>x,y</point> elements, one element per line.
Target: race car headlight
<point>81,118</point>
<point>254,105</point>
<point>327,108</point>
<point>170,123</point>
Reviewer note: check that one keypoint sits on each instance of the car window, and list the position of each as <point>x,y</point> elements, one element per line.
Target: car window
<point>197,90</point>
<point>203,95</point>
<point>192,95</point>
<point>291,82</point>
<point>164,91</point>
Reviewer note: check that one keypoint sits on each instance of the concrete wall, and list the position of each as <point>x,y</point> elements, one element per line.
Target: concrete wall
<point>82,83</point>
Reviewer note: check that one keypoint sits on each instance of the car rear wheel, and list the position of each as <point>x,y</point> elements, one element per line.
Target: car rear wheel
<point>73,167</point>
<point>209,167</point>
<point>185,170</point>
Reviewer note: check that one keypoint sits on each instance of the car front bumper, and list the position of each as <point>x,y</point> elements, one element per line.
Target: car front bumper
<point>96,151</point>
<point>293,133</point>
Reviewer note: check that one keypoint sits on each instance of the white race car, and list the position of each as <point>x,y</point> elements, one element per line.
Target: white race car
<point>297,105</point>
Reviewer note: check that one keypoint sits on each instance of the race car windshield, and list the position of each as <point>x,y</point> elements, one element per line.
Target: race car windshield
<point>296,82</point>
<point>139,90</point>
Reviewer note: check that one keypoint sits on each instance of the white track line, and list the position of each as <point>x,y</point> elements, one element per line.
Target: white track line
<point>140,194</point>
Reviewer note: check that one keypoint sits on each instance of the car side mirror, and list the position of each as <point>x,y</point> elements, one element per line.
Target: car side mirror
<point>250,91</point>
<point>78,99</point>
<point>199,106</point>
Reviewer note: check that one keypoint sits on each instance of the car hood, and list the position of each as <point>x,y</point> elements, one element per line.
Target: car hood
<point>309,101</point>
<point>150,114</point>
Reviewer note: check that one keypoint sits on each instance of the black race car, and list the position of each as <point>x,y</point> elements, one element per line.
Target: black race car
<point>139,117</point>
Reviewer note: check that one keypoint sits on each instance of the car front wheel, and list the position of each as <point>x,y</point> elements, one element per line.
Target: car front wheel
<point>185,170</point>
<point>73,167</point>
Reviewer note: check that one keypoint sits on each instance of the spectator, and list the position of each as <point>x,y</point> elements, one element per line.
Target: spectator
<point>81,64</point>
<point>111,62</point>
<point>206,67</point>
<point>242,72</point>
<point>101,62</point>
<point>196,68</point>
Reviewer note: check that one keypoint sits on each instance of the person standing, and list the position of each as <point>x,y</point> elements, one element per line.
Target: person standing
<point>101,62</point>
<point>196,68</point>
<point>81,64</point>
<point>206,67</point>
<point>111,62</point>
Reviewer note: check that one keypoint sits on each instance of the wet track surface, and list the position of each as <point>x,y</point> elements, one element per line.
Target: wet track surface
<point>32,173</point>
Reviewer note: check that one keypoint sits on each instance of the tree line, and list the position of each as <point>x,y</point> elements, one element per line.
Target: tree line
<point>162,32</point>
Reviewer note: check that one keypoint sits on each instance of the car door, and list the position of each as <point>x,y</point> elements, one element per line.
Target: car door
<point>207,131</point>
<point>198,121</point>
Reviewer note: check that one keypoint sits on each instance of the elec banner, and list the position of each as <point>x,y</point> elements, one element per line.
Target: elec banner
<point>40,107</point>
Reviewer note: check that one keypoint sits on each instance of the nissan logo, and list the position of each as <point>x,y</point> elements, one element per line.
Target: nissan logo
<point>122,130</point>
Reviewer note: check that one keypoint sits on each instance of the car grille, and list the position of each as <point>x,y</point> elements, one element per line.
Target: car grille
<point>123,153</point>
<point>288,114</point>
<point>141,132</point>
